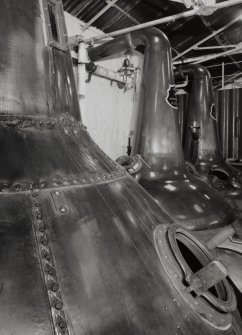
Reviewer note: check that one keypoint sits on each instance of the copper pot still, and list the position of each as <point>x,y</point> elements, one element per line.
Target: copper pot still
<point>187,199</point>
<point>202,147</point>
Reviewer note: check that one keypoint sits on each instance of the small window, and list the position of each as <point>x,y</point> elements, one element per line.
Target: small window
<point>53,22</point>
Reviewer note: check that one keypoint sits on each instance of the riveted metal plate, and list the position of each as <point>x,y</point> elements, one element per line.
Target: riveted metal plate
<point>48,266</point>
<point>59,201</point>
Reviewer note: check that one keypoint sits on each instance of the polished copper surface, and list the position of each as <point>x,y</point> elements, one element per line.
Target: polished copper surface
<point>77,249</point>
<point>32,74</point>
<point>187,199</point>
<point>209,163</point>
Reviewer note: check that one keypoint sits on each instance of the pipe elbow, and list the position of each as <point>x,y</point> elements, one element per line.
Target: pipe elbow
<point>150,37</point>
<point>156,37</point>
<point>195,70</point>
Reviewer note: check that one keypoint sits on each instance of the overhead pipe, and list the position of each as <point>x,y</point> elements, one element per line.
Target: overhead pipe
<point>157,138</point>
<point>81,76</point>
<point>236,50</point>
<point>231,77</point>
<point>210,163</point>
<point>202,59</point>
<point>222,75</point>
<point>77,38</point>
<point>216,32</point>
<point>216,47</point>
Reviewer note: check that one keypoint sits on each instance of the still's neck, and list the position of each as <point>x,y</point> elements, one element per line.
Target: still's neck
<point>157,137</point>
<point>36,67</point>
<point>202,110</point>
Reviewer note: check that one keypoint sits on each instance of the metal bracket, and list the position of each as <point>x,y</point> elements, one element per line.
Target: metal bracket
<point>206,278</point>
<point>60,203</point>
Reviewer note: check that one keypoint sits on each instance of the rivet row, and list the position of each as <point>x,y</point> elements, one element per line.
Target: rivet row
<point>48,266</point>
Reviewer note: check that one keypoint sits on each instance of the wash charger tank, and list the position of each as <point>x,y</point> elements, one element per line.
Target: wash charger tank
<point>209,161</point>
<point>187,199</point>
<point>80,249</point>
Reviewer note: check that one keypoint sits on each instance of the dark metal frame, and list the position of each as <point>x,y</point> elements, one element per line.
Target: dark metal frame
<point>62,44</point>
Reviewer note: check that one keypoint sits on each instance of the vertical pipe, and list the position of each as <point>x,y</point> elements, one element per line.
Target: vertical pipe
<point>229,110</point>
<point>240,121</point>
<point>237,122</point>
<point>81,76</point>
<point>222,75</point>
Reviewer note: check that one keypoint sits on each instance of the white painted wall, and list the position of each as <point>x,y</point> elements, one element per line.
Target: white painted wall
<point>108,112</point>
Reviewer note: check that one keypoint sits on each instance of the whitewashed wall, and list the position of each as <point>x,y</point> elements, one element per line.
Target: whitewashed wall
<point>108,112</point>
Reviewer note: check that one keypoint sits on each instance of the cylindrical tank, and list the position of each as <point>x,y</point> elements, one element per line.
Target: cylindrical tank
<point>187,199</point>
<point>209,162</point>
<point>79,239</point>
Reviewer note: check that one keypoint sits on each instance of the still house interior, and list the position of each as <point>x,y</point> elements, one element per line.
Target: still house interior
<point>121,167</point>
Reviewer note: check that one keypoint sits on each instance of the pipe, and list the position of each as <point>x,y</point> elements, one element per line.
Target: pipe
<point>224,234</point>
<point>215,47</point>
<point>133,165</point>
<point>158,21</point>
<point>207,38</point>
<point>225,64</point>
<point>222,75</point>
<point>102,72</point>
<point>220,237</point>
<point>230,79</point>
<point>236,50</point>
<point>81,76</point>
<point>202,59</point>
<point>184,84</point>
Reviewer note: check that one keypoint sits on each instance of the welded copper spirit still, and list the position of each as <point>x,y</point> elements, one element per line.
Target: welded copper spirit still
<point>83,248</point>
<point>187,199</point>
<point>202,147</point>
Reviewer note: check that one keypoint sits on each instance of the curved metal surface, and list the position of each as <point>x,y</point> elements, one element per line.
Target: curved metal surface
<point>233,260</point>
<point>179,262</point>
<point>101,255</point>
<point>210,163</point>
<point>132,164</point>
<point>230,253</point>
<point>36,80</point>
<point>224,302</point>
<point>77,252</point>
<point>187,199</point>
<point>229,106</point>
